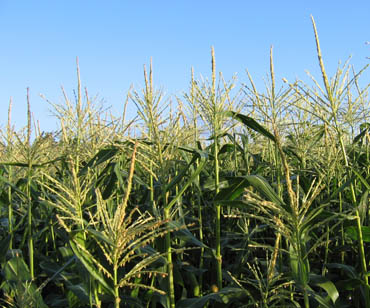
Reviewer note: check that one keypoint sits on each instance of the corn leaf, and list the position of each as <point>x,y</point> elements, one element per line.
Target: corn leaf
<point>251,123</point>
<point>89,265</point>
<point>325,284</point>
<point>351,231</point>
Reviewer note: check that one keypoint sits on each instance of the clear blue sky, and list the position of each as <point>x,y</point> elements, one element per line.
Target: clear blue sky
<point>40,41</point>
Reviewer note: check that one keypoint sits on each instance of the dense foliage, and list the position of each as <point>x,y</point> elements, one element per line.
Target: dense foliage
<point>235,198</point>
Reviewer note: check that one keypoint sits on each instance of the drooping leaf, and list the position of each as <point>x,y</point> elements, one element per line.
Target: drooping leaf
<point>236,187</point>
<point>99,236</point>
<point>251,123</point>
<point>350,270</point>
<point>102,156</point>
<point>90,267</point>
<point>364,128</point>
<point>226,148</point>
<point>325,284</point>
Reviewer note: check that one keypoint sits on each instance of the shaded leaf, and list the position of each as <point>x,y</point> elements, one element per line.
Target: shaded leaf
<point>325,284</point>
<point>351,231</point>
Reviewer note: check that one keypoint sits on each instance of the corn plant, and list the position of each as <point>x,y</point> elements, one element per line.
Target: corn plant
<point>230,196</point>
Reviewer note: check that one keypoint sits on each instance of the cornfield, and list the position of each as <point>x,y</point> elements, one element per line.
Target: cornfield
<point>223,197</point>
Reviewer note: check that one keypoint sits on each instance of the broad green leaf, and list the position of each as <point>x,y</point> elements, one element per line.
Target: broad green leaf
<point>325,284</point>
<point>351,231</point>
<point>89,265</point>
<point>363,206</point>
<point>102,156</point>
<point>350,270</point>
<point>199,302</point>
<point>18,279</point>
<point>108,178</point>
<point>201,156</point>
<point>324,302</point>
<point>264,188</point>
<point>235,188</point>
<point>66,252</point>
<point>251,123</point>
<point>16,270</point>
<point>364,127</point>
<point>226,148</point>
<point>237,185</point>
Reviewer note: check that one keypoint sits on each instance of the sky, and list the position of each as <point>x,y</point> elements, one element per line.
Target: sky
<point>40,41</point>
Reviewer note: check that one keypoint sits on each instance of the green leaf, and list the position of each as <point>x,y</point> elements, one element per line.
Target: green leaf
<point>226,148</point>
<point>363,206</point>
<point>351,231</point>
<point>18,279</point>
<point>264,188</point>
<point>300,268</point>
<point>89,265</point>
<point>109,178</point>
<point>325,284</point>
<point>237,185</point>
<point>66,252</point>
<point>102,156</point>
<point>364,127</point>
<point>16,270</point>
<point>324,302</point>
<point>350,270</point>
<point>198,302</point>
<point>202,159</point>
<point>235,188</point>
<point>251,123</point>
<point>99,236</point>
<point>15,188</point>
